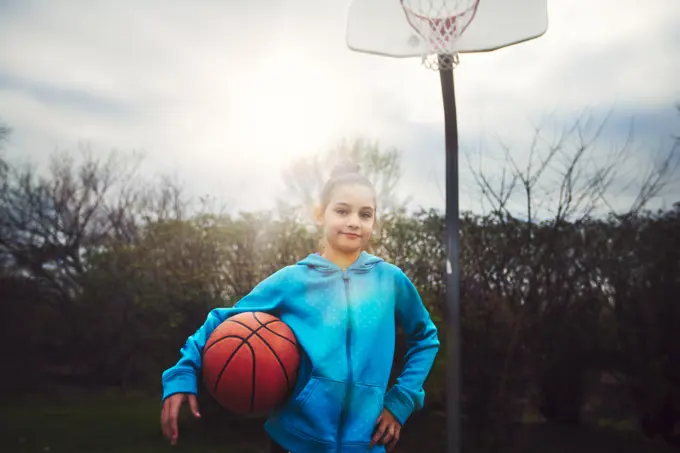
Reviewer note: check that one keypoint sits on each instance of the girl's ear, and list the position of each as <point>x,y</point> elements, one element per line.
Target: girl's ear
<point>318,216</point>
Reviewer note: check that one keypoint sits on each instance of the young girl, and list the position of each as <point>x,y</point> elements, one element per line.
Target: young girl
<point>343,306</point>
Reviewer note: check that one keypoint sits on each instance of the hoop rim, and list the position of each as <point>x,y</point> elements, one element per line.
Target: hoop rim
<point>448,22</point>
<point>420,16</point>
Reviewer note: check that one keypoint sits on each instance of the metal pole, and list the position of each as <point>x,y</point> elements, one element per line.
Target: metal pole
<point>453,381</point>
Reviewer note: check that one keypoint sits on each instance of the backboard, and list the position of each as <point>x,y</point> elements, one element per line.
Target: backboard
<point>380,27</point>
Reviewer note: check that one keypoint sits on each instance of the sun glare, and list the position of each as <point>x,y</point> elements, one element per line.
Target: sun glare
<point>286,108</point>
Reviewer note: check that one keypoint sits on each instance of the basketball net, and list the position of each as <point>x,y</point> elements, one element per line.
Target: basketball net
<point>440,23</point>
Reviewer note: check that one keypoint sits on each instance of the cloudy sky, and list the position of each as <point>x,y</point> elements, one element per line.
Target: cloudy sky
<point>225,93</point>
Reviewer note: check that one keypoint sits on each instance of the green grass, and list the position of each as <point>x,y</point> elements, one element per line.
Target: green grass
<point>111,423</point>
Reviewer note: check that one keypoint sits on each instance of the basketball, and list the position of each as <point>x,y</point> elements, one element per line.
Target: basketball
<point>250,363</point>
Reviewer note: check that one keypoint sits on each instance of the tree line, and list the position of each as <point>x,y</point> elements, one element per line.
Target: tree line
<point>103,275</point>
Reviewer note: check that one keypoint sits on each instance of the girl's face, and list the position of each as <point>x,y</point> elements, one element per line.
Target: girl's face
<point>348,219</point>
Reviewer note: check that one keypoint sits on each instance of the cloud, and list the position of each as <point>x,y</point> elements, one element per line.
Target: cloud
<point>226,94</point>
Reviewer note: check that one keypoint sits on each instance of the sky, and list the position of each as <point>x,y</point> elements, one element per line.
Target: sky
<point>225,94</point>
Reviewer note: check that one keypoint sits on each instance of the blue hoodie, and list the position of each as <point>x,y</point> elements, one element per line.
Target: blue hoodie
<point>345,324</point>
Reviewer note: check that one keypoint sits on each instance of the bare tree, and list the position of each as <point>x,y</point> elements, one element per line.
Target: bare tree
<point>548,282</point>
<point>305,178</point>
<point>50,225</point>
<point>571,178</point>
<point>5,258</point>
<point>4,133</point>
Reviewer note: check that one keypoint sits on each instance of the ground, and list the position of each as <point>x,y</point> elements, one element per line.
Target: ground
<point>112,423</point>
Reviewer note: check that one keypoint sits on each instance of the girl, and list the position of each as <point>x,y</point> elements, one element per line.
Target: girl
<point>343,305</point>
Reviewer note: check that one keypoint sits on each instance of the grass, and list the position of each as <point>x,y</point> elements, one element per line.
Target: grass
<point>111,423</point>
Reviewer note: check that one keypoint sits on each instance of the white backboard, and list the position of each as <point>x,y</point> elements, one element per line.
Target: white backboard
<point>380,27</point>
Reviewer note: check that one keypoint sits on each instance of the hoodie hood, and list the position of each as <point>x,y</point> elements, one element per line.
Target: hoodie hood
<point>365,262</point>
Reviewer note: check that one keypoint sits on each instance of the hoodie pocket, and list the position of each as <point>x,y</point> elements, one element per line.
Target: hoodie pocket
<point>316,410</point>
<point>366,405</point>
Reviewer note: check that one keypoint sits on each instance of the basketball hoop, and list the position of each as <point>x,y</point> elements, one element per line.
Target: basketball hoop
<point>437,31</point>
<point>439,23</point>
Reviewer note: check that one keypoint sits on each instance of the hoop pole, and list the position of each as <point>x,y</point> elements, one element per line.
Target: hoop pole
<point>453,334</point>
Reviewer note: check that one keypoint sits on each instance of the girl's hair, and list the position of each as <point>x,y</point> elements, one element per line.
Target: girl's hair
<point>345,172</point>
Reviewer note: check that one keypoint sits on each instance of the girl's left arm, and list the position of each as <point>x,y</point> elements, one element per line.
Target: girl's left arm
<point>407,395</point>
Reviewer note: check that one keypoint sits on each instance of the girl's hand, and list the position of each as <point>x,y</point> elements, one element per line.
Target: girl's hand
<point>387,431</point>
<point>170,413</point>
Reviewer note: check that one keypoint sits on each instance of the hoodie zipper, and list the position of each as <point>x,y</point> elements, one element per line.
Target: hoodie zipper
<point>345,277</point>
<point>348,342</point>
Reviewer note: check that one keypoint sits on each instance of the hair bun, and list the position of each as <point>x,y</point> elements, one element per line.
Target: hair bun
<point>345,168</point>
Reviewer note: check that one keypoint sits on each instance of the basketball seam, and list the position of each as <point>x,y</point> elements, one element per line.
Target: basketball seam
<point>278,359</point>
<point>252,387</point>
<point>252,352</point>
<point>226,364</point>
<point>205,351</point>
<point>294,343</point>
<point>274,321</point>
<point>237,336</point>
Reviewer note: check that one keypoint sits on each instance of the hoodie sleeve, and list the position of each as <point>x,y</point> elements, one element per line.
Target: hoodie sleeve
<point>407,395</point>
<point>267,297</point>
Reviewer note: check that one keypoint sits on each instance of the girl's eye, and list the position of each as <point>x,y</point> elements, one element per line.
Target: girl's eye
<point>367,215</point>
<point>341,211</point>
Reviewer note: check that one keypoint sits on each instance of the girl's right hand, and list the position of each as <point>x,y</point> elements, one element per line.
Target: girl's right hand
<point>170,413</point>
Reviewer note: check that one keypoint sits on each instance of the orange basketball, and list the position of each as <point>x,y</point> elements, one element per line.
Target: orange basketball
<point>250,363</point>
